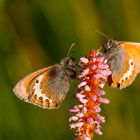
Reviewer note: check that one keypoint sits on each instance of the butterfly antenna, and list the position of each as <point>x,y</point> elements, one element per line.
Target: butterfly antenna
<point>72,45</point>
<point>101,33</point>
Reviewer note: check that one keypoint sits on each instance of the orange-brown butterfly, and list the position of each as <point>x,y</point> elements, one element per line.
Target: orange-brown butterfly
<point>124,61</point>
<point>47,87</point>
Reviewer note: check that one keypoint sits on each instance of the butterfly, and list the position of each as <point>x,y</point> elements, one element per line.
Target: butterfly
<point>124,61</point>
<point>47,87</point>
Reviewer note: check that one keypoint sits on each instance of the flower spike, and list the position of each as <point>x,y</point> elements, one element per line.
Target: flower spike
<point>93,77</point>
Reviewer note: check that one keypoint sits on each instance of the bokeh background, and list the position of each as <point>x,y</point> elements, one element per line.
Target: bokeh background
<point>38,33</point>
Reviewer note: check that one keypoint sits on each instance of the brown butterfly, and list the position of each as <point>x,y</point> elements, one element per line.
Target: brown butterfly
<point>124,61</point>
<point>47,87</point>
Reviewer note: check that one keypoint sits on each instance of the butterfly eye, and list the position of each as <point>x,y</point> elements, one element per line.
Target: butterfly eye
<point>37,81</point>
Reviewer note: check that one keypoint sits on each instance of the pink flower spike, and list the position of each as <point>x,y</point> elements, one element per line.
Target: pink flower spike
<point>101,85</point>
<point>80,115</point>
<point>94,98</point>
<point>80,106</point>
<point>101,59</point>
<point>87,121</point>
<point>105,61</point>
<point>81,84</point>
<point>84,60</point>
<point>73,118</point>
<point>87,88</point>
<point>72,126</point>
<point>100,119</point>
<point>90,120</point>
<point>74,110</point>
<point>93,67</point>
<point>84,73</point>
<point>94,59</point>
<point>103,66</point>
<point>87,138</point>
<point>97,109</point>
<point>100,92</point>
<point>104,72</point>
<point>84,101</point>
<point>103,100</point>
<point>79,96</point>
<point>84,110</point>
<point>79,124</point>
<point>98,131</point>
<point>97,76</point>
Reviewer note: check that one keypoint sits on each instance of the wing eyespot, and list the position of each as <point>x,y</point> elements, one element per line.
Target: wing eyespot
<point>126,78</point>
<point>37,81</point>
<point>47,100</point>
<point>35,96</point>
<point>131,63</point>
<point>40,98</point>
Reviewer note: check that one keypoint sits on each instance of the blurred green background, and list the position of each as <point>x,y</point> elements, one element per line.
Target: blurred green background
<point>38,33</point>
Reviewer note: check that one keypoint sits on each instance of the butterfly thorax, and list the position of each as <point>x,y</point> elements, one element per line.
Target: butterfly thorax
<point>68,65</point>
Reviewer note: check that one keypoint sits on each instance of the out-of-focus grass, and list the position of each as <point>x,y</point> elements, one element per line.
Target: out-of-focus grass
<point>35,34</point>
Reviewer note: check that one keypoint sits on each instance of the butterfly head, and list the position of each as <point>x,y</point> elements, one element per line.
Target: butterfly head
<point>69,64</point>
<point>109,44</point>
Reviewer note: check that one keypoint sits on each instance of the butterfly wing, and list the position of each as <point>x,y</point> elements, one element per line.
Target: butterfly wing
<point>123,65</point>
<point>21,87</point>
<point>46,87</point>
<point>133,49</point>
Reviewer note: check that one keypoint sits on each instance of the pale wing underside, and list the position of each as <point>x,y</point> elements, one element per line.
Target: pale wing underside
<point>133,49</point>
<point>20,89</point>
<point>49,89</point>
<point>45,88</point>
